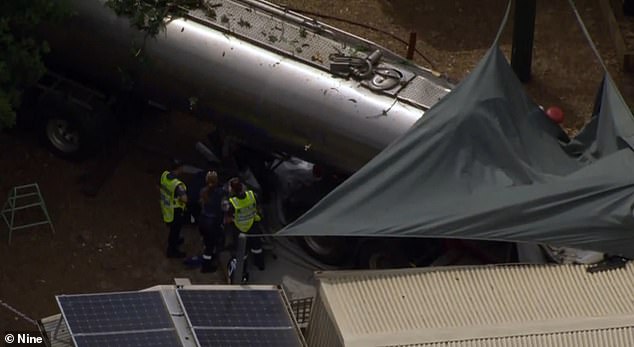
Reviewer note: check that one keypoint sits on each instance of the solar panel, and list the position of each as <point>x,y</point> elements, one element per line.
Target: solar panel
<point>129,319</point>
<point>141,339</point>
<point>247,337</point>
<point>235,308</point>
<point>116,312</point>
<point>239,318</point>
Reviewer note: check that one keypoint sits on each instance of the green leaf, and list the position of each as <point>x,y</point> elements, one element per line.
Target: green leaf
<point>20,53</point>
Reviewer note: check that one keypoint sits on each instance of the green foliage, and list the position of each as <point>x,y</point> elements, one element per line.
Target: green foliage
<point>21,51</point>
<point>150,15</point>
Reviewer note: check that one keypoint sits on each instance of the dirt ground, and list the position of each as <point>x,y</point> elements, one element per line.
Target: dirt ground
<point>115,241</point>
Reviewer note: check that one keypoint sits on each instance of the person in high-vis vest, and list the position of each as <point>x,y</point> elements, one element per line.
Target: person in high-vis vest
<point>173,202</point>
<point>243,217</point>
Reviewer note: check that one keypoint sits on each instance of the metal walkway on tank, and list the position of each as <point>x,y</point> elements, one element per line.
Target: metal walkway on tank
<point>299,37</point>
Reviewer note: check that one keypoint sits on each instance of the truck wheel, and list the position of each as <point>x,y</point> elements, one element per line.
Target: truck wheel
<point>329,250</point>
<point>383,254</point>
<point>71,133</point>
<point>63,136</point>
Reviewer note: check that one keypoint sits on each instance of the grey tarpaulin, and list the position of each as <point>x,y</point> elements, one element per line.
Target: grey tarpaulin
<point>486,163</point>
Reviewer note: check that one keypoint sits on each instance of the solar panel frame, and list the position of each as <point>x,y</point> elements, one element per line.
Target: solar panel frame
<point>234,308</point>
<point>149,323</point>
<point>247,337</point>
<point>164,338</point>
<point>206,330</point>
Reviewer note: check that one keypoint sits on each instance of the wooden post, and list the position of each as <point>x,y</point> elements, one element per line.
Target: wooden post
<point>622,53</point>
<point>523,32</point>
<point>411,47</point>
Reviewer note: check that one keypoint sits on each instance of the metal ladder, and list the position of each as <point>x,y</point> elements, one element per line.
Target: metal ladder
<point>16,202</point>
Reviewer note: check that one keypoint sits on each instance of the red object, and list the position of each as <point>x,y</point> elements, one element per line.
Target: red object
<point>555,114</point>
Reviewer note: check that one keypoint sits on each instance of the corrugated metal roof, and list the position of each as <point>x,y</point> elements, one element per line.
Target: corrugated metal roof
<point>621,337</point>
<point>482,306</point>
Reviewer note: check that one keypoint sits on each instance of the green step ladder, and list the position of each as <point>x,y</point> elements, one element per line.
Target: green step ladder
<point>16,202</point>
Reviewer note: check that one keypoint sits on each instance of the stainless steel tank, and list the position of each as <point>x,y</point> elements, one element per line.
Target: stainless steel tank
<point>280,80</point>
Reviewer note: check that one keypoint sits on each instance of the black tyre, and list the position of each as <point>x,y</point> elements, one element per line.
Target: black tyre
<point>383,253</point>
<point>378,254</point>
<point>330,250</point>
<point>71,132</point>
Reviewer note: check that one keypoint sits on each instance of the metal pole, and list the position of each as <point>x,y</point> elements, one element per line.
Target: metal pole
<point>57,326</point>
<point>523,32</point>
<point>411,47</point>
<point>240,255</point>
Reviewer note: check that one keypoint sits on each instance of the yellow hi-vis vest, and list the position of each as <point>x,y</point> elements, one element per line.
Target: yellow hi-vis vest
<point>245,211</point>
<point>168,203</point>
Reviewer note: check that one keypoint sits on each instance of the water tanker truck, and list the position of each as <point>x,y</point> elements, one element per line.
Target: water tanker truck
<point>279,81</point>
